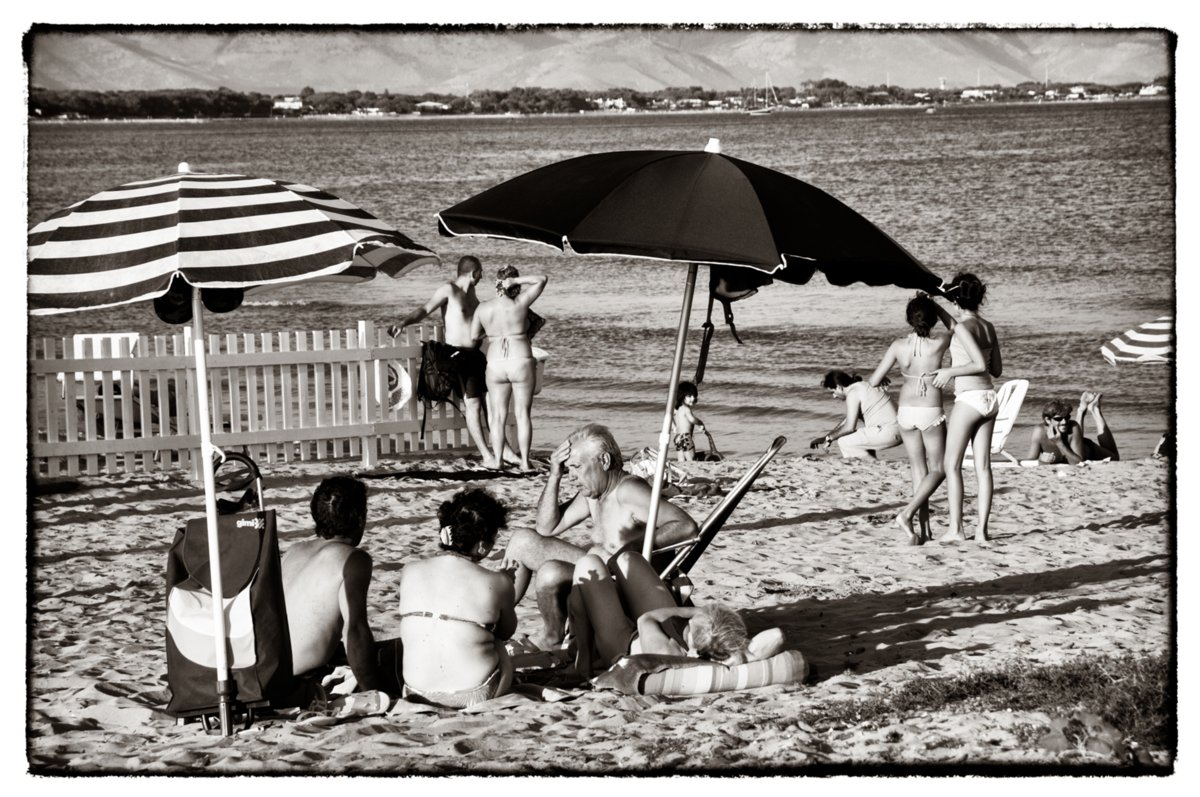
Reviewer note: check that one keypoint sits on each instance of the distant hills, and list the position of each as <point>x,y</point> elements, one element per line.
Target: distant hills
<point>456,60</point>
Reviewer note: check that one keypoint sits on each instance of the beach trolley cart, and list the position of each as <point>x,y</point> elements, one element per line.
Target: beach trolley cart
<point>257,644</point>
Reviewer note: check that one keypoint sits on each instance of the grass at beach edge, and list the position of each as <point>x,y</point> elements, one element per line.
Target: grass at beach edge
<point>1131,693</point>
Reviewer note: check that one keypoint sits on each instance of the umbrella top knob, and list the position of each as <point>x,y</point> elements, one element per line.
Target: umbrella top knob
<point>184,168</point>
<point>713,146</point>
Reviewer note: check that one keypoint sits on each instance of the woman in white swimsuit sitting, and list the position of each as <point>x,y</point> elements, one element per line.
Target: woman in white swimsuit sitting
<point>454,613</point>
<point>920,418</point>
<point>873,405</point>
<point>511,368</point>
<point>974,362</point>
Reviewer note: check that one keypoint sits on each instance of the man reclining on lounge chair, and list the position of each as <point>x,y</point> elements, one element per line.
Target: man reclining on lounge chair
<point>618,504</point>
<point>325,584</point>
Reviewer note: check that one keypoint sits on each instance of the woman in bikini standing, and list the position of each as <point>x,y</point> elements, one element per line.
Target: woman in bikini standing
<point>974,361</point>
<point>454,613</point>
<point>920,418</point>
<point>511,368</point>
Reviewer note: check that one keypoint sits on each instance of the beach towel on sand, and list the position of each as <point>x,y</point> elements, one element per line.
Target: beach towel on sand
<point>652,674</point>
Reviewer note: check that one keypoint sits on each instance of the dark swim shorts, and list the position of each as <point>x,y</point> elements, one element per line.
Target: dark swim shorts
<point>684,442</point>
<point>470,365</point>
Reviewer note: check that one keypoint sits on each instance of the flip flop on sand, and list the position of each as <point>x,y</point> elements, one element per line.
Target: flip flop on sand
<point>372,703</point>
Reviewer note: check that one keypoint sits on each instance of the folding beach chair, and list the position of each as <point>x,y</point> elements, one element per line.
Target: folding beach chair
<point>688,552</point>
<point>257,642</point>
<point>1010,395</point>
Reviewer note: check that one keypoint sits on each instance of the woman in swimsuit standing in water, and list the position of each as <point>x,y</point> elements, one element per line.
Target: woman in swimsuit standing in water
<point>974,361</point>
<point>920,418</point>
<point>454,613</point>
<point>511,368</point>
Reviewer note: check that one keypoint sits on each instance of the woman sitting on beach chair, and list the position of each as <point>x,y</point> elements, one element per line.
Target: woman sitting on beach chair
<point>602,605</point>
<point>455,614</point>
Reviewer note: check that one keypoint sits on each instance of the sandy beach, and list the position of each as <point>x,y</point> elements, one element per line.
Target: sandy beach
<point>1081,564</point>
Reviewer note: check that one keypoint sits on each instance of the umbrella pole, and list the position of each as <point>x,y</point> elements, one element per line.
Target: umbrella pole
<point>664,438</point>
<point>224,684</point>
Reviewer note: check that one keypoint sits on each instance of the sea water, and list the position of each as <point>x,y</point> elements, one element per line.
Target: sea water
<point>1065,210</point>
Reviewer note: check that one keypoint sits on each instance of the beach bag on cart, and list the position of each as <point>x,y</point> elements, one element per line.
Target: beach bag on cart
<point>258,648</point>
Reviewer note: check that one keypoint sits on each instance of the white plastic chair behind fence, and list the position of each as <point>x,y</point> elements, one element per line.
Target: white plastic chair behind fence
<point>85,345</point>
<point>1010,396</point>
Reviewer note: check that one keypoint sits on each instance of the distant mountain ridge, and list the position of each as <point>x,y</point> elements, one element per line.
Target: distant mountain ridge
<point>458,60</point>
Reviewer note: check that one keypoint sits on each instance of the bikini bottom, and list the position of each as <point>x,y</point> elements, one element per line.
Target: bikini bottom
<point>919,418</point>
<point>461,698</point>
<point>983,402</point>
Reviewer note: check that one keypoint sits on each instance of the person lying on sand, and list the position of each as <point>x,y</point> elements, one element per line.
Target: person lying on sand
<point>618,504</point>
<point>325,584</point>
<point>599,602</point>
<point>1060,437</point>
<point>454,613</point>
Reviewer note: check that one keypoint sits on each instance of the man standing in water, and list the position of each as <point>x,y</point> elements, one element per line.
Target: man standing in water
<point>618,505</point>
<point>457,301</point>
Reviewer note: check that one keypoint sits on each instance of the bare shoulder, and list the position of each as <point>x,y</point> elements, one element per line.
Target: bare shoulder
<point>632,489</point>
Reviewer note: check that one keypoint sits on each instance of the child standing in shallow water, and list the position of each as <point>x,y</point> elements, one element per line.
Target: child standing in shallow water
<point>685,422</point>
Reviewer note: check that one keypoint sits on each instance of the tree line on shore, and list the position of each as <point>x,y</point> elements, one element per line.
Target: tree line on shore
<point>226,103</point>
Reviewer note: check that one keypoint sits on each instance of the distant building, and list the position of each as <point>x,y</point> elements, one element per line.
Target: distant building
<point>429,106</point>
<point>288,104</point>
<point>1151,91</point>
<point>609,104</point>
<point>978,94</point>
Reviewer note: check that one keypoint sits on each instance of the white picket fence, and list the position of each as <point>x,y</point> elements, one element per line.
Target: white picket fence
<point>124,403</point>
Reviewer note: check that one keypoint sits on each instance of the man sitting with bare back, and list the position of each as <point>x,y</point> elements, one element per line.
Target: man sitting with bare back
<point>618,505</point>
<point>325,584</point>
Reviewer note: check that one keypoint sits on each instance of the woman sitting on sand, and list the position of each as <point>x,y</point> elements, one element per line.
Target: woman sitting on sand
<point>599,601</point>
<point>974,361</point>
<point>873,405</point>
<point>920,418</point>
<point>454,613</point>
<point>511,368</point>
<point>1060,437</point>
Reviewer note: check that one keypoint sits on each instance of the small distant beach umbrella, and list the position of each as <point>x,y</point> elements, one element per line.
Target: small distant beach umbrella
<point>1152,342</point>
<point>695,207</point>
<point>190,241</point>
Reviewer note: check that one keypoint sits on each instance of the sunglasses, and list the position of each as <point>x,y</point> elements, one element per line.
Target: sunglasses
<point>1059,418</point>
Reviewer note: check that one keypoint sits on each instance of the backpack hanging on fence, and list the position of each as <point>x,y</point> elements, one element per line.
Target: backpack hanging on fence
<point>258,644</point>
<point>439,379</point>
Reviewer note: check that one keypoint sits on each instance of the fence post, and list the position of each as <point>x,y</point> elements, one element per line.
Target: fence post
<point>368,393</point>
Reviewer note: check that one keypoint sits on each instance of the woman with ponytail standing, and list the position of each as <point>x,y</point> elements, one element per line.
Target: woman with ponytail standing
<point>974,361</point>
<point>920,418</point>
<point>511,367</point>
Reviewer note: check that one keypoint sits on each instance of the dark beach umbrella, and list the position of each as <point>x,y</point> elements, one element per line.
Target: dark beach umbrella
<point>693,207</point>
<point>190,241</point>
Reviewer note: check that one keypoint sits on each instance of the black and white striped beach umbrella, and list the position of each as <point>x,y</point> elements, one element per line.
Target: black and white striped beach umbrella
<point>191,241</point>
<point>126,244</point>
<point>1152,342</point>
